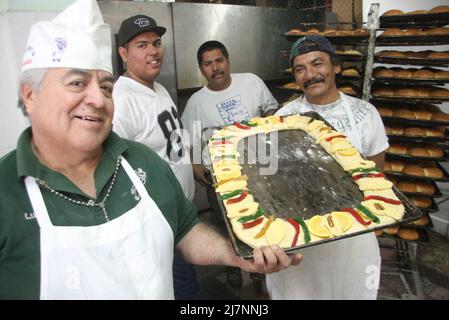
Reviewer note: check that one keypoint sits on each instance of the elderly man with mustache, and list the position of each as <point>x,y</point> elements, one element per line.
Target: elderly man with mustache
<point>227,97</point>
<point>347,269</point>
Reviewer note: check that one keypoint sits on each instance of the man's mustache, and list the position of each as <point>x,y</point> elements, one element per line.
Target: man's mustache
<point>313,81</point>
<point>218,73</point>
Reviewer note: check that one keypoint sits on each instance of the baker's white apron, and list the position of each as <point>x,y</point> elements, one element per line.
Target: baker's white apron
<point>129,257</point>
<point>344,269</point>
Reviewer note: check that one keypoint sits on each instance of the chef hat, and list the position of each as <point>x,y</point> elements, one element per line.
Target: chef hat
<point>76,38</point>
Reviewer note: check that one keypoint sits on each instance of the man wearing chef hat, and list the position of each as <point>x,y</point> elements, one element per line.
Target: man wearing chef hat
<point>70,225</point>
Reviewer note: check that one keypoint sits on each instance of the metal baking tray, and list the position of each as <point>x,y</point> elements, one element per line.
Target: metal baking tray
<point>343,57</point>
<point>423,236</point>
<point>396,137</point>
<point>433,207</point>
<point>436,194</point>
<point>412,40</point>
<point>404,21</point>
<point>444,158</point>
<point>445,177</point>
<point>414,100</point>
<point>336,40</point>
<point>308,181</point>
<point>414,122</point>
<point>412,61</point>
<point>410,81</point>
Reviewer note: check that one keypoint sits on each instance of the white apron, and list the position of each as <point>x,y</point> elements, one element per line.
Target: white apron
<point>344,269</point>
<point>129,257</point>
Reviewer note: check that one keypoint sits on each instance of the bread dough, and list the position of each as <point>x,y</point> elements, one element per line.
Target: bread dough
<point>278,230</point>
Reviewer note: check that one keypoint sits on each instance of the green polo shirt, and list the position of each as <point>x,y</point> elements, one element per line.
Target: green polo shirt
<point>19,230</point>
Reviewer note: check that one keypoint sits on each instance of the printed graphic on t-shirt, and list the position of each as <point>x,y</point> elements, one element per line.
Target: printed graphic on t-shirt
<point>232,110</point>
<point>176,149</point>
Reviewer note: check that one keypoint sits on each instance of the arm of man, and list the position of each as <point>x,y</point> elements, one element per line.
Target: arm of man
<point>379,159</point>
<point>204,246</point>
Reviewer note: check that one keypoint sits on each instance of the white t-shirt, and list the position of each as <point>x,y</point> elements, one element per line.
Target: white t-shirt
<point>245,98</point>
<point>347,268</point>
<point>369,133</point>
<point>150,117</point>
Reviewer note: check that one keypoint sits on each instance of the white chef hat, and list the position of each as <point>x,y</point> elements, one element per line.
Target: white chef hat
<point>76,38</point>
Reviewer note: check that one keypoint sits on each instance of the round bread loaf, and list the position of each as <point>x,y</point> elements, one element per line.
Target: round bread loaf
<point>388,130</point>
<point>312,31</point>
<point>441,74</point>
<point>422,91</point>
<point>435,132</point>
<point>406,92</point>
<point>345,33</point>
<point>397,129</point>
<point>385,112</point>
<point>392,12</point>
<point>351,52</point>
<point>406,186</point>
<point>433,172</point>
<point>441,92</point>
<point>414,54</point>
<point>360,32</point>
<point>347,90</point>
<point>408,234</point>
<point>391,230</point>
<point>404,73</point>
<point>383,91</point>
<point>387,166</point>
<point>351,72</point>
<point>422,114</point>
<point>329,32</point>
<point>440,116</point>
<point>417,12</point>
<point>423,221</point>
<point>423,74</point>
<point>417,151</point>
<point>296,32</point>
<point>392,32</point>
<point>421,202</point>
<point>434,151</point>
<point>415,132</point>
<point>404,113</point>
<point>413,170</point>
<point>291,85</point>
<point>397,148</point>
<point>378,233</point>
<point>396,165</point>
<point>439,9</point>
<point>391,54</point>
<point>424,188</point>
<point>386,73</point>
<point>438,55</point>
<point>439,31</point>
<point>412,32</point>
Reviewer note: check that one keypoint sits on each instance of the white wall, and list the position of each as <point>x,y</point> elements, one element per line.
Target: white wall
<point>440,219</point>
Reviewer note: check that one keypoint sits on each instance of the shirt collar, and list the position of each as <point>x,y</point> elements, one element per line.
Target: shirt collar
<point>29,165</point>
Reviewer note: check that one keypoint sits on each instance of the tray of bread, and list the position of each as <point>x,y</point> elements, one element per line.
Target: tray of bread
<point>418,151</point>
<point>344,55</point>
<point>296,182</point>
<point>404,232</point>
<point>423,58</point>
<point>411,76</point>
<point>336,37</point>
<point>426,204</point>
<point>411,94</point>
<point>436,16</point>
<point>350,73</point>
<point>417,169</point>
<point>396,36</point>
<point>413,115</point>
<point>410,133</point>
<point>413,187</point>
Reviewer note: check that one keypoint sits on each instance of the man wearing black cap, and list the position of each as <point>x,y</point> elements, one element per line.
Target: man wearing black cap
<point>350,268</point>
<point>145,112</point>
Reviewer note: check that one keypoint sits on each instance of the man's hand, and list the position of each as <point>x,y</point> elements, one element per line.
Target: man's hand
<point>269,259</point>
<point>202,174</point>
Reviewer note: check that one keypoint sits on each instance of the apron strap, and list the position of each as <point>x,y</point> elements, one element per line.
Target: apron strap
<point>133,176</point>
<point>37,202</point>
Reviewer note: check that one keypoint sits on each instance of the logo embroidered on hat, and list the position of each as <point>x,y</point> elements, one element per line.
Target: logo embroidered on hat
<point>142,22</point>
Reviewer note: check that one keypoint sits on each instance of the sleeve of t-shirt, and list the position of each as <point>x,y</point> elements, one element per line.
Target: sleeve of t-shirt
<point>188,117</point>
<point>124,122</point>
<point>267,100</point>
<point>290,108</point>
<point>187,214</point>
<point>379,140</point>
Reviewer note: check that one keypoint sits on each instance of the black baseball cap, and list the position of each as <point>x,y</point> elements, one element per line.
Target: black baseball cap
<point>135,25</point>
<point>311,43</point>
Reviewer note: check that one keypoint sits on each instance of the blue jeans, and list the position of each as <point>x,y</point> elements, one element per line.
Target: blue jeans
<point>184,280</point>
